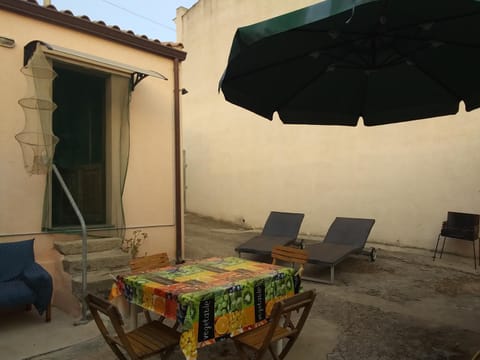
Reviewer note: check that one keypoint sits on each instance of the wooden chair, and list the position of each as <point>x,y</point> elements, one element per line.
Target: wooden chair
<point>149,339</point>
<point>149,262</point>
<point>290,254</point>
<point>253,344</point>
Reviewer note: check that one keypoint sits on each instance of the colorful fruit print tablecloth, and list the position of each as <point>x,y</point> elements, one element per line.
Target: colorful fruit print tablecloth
<point>212,299</point>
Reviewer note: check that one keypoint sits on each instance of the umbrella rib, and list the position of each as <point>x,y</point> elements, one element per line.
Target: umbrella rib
<point>449,42</point>
<point>394,32</point>
<point>311,79</point>
<point>295,93</point>
<point>430,76</point>
<point>437,20</point>
<point>293,58</point>
<point>362,36</point>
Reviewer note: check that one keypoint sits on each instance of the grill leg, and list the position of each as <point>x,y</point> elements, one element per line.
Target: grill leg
<point>474,255</point>
<point>436,247</point>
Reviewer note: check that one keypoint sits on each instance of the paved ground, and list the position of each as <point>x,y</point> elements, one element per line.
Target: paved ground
<point>403,306</point>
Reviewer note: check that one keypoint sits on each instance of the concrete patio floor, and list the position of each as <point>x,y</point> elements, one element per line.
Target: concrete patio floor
<point>403,306</point>
<point>26,334</point>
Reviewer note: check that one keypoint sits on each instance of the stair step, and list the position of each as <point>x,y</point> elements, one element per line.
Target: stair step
<point>102,260</point>
<point>72,247</point>
<point>98,282</point>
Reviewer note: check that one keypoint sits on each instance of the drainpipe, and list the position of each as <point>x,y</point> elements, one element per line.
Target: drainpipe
<point>178,164</point>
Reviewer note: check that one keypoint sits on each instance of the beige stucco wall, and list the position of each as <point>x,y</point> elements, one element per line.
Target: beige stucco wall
<point>240,166</point>
<point>149,196</point>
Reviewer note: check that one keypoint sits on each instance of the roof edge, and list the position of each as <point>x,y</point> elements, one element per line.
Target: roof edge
<point>83,24</point>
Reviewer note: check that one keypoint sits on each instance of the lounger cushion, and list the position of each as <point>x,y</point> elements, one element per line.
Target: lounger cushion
<point>283,224</point>
<point>263,244</point>
<point>349,231</point>
<point>281,228</point>
<point>329,254</point>
<point>345,236</point>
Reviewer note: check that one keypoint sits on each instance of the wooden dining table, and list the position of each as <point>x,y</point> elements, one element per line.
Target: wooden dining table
<point>212,299</point>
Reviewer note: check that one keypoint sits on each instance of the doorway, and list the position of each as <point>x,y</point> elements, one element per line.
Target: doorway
<point>79,122</point>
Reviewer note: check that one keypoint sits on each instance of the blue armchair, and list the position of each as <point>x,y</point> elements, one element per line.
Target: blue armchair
<point>23,282</point>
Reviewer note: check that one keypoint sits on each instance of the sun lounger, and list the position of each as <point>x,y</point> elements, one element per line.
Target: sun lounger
<point>346,236</point>
<point>281,228</point>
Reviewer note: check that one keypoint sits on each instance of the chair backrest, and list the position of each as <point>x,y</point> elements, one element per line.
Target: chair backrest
<point>148,339</point>
<point>462,220</point>
<point>291,255</point>
<point>283,224</point>
<point>98,305</point>
<point>280,318</point>
<point>462,225</point>
<point>349,231</point>
<point>149,262</point>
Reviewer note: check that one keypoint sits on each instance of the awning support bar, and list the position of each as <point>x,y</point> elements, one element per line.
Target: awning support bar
<point>135,78</point>
<point>136,74</point>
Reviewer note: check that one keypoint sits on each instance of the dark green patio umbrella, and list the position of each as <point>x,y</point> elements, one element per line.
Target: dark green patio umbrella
<point>386,61</point>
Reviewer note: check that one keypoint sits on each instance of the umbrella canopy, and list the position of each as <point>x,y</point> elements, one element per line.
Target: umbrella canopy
<point>386,61</point>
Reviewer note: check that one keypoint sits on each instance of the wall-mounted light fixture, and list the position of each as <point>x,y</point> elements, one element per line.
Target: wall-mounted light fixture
<point>7,42</point>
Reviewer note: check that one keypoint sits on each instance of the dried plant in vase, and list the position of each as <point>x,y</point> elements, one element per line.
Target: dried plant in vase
<point>132,244</point>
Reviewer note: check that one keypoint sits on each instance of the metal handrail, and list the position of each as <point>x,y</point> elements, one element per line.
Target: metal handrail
<point>84,318</point>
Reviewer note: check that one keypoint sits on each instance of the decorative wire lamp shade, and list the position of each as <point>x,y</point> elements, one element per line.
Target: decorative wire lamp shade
<point>36,148</point>
<point>37,139</point>
<point>39,67</point>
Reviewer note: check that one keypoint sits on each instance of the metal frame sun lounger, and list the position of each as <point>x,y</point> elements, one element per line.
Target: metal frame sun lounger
<point>281,228</point>
<point>346,236</point>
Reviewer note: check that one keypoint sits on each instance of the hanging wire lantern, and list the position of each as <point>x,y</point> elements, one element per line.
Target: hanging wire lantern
<point>37,143</point>
<point>37,139</point>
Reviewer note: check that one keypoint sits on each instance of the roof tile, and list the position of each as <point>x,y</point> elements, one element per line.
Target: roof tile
<point>102,23</point>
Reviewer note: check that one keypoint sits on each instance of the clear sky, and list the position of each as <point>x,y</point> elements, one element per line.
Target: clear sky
<point>153,18</point>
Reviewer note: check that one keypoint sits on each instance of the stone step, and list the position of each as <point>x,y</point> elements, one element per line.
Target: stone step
<point>72,247</point>
<point>98,282</point>
<point>103,260</point>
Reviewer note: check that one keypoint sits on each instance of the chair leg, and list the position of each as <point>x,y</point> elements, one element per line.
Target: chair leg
<point>443,246</point>
<point>115,349</point>
<point>287,347</point>
<point>476,356</point>
<point>48,313</point>
<point>436,247</point>
<point>147,316</point>
<point>273,352</point>
<point>243,355</point>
